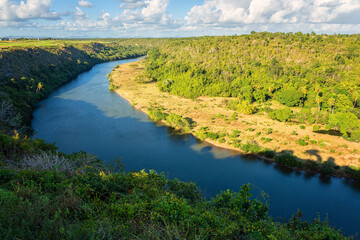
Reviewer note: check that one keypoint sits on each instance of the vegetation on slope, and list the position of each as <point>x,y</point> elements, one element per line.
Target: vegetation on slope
<point>28,74</point>
<point>48,195</point>
<point>318,73</point>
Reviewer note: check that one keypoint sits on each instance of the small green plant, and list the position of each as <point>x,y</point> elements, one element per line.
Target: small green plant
<point>302,142</point>
<point>316,128</point>
<point>269,131</point>
<point>302,127</point>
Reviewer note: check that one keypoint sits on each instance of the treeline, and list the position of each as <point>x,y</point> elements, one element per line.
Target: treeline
<point>318,72</point>
<point>45,194</point>
<point>29,74</point>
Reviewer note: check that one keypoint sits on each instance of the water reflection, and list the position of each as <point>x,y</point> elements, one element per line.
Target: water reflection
<point>84,115</point>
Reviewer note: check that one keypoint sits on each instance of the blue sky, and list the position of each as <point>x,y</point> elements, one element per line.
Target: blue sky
<point>174,18</point>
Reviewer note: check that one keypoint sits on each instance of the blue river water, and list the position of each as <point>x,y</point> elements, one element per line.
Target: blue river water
<point>85,115</point>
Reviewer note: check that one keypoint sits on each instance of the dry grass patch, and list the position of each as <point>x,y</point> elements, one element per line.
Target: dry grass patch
<point>132,85</point>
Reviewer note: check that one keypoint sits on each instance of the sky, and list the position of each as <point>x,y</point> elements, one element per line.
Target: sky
<point>174,18</point>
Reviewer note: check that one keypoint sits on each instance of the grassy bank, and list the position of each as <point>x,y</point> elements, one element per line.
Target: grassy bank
<point>209,118</point>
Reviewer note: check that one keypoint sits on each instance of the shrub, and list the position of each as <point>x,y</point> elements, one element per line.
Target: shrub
<point>252,148</point>
<point>305,115</point>
<point>302,142</point>
<point>316,128</point>
<point>246,107</point>
<point>284,115</point>
<point>157,115</point>
<point>290,97</point>
<point>177,121</point>
<point>289,160</point>
<point>327,168</point>
<point>302,127</point>
<point>267,153</point>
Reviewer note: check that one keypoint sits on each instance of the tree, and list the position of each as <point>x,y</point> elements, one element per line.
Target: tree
<point>283,115</point>
<point>344,122</point>
<point>290,97</point>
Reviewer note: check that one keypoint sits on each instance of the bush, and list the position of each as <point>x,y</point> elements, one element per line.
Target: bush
<point>267,153</point>
<point>302,142</point>
<point>327,168</point>
<point>212,136</point>
<point>252,148</point>
<point>246,107</point>
<point>284,115</point>
<point>305,115</point>
<point>157,115</point>
<point>178,122</point>
<point>290,98</point>
<point>289,160</point>
<point>316,128</point>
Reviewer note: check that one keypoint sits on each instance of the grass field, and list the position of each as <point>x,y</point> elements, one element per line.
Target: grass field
<point>44,43</point>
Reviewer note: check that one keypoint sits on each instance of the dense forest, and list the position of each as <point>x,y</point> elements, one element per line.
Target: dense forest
<point>317,73</point>
<point>46,194</point>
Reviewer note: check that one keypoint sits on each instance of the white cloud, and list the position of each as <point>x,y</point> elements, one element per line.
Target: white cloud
<point>228,12</point>
<point>132,4</point>
<point>85,4</point>
<point>31,9</point>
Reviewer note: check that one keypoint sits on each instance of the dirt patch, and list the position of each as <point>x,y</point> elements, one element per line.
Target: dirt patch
<point>256,129</point>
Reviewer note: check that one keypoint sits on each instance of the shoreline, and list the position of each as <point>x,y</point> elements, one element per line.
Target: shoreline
<point>126,87</point>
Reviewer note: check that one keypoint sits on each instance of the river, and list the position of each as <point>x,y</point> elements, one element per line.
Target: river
<point>85,115</point>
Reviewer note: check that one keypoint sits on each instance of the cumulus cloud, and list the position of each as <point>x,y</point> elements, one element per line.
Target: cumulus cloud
<point>25,10</point>
<point>152,15</point>
<point>80,21</point>
<point>152,12</point>
<point>85,4</point>
<point>228,12</point>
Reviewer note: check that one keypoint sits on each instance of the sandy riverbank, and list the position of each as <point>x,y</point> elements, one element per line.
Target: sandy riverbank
<point>253,128</point>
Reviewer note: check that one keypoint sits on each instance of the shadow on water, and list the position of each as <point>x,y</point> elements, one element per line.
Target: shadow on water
<point>80,117</point>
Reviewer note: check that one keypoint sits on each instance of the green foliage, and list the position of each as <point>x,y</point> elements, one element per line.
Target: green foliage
<point>282,115</point>
<point>240,67</point>
<point>345,122</point>
<point>289,160</point>
<point>94,205</point>
<point>157,115</point>
<point>269,131</point>
<point>28,74</point>
<point>302,142</point>
<point>246,107</point>
<point>178,122</point>
<point>290,97</point>
<point>305,115</point>
<point>316,128</point>
<point>250,148</point>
